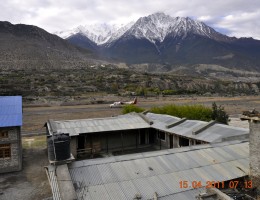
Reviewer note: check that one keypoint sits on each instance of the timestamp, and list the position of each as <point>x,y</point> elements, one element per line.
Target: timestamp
<point>215,184</point>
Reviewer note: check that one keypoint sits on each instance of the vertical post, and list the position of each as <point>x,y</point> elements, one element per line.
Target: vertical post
<point>159,136</point>
<point>91,144</point>
<point>136,140</point>
<point>138,137</point>
<point>122,141</point>
<point>107,141</point>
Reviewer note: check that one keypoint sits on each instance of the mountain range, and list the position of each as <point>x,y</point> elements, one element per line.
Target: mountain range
<point>172,41</point>
<point>159,41</point>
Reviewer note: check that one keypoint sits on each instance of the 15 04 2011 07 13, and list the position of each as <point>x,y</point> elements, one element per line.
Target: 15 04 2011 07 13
<point>215,184</point>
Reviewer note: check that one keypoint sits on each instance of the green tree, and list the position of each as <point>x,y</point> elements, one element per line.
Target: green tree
<point>219,114</point>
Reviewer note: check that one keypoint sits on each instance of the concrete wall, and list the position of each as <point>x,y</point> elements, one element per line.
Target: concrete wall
<point>254,151</point>
<point>165,144</point>
<point>14,163</point>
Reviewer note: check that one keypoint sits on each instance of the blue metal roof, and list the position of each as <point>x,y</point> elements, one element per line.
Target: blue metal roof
<point>11,111</point>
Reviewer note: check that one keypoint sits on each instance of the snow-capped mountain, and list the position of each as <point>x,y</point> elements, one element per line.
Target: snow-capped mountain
<point>154,27</point>
<point>120,32</point>
<point>97,33</point>
<point>157,26</point>
<point>160,38</point>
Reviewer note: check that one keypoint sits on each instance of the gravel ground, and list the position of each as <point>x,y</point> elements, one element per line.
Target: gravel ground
<point>29,184</point>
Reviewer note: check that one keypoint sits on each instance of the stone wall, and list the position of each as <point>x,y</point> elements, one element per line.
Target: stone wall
<point>13,163</point>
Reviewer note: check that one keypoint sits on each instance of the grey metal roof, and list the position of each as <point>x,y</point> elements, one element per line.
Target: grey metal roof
<point>122,177</point>
<point>121,122</point>
<point>214,133</point>
<point>10,111</point>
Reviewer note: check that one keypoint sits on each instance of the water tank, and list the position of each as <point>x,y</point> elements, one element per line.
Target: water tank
<point>59,145</point>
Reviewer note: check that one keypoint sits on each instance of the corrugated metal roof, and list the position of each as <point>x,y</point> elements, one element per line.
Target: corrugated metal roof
<point>121,122</point>
<point>214,133</point>
<point>122,177</point>
<point>10,111</point>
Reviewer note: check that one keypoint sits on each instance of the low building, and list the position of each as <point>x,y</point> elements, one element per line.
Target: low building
<point>139,132</point>
<point>180,173</point>
<point>10,133</point>
<point>175,132</point>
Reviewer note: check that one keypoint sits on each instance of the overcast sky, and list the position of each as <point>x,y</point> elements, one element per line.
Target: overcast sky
<point>240,18</point>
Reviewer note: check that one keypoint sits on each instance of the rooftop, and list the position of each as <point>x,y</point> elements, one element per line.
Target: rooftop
<point>10,111</point>
<point>160,172</point>
<point>117,123</point>
<point>213,133</point>
<point>208,132</point>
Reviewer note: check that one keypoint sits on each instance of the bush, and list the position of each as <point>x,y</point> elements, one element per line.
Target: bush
<point>132,108</point>
<point>195,112</point>
<point>168,92</point>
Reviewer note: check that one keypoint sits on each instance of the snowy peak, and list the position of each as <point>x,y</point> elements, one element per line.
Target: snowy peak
<point>97,33</point>
<point>183,26</point>
<point>157,26</point>
<point>153,27</point>
<point>120,32</point>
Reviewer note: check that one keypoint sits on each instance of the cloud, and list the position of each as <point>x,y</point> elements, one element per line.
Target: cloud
<point>236,17</point>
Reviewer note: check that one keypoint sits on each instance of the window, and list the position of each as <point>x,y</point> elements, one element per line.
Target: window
<point>161,136</point>
<point>5,150</point>
<point>3,134</point>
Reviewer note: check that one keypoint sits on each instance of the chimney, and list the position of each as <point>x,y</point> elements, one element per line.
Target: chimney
<point>253,118</point>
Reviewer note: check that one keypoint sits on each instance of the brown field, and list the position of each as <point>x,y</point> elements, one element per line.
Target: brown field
<point>35,117</point>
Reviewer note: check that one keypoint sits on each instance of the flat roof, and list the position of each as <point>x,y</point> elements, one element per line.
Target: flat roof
<point>122,177</point>
<point>11,111</point>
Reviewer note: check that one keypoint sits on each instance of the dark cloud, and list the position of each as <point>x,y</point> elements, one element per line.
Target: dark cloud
<point>233,17</point>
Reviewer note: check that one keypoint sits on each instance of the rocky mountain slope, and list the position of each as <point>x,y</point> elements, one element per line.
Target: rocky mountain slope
<point>25,46</point>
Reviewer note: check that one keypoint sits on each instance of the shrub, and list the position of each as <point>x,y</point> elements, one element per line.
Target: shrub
<point>195,112</point>
<point>132,108</point>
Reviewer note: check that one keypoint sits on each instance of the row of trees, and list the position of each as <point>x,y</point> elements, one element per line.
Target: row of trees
<point>194,112</point>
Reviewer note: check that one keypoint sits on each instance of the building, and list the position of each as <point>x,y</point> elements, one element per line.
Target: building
<point>137,132</point>
<point>10,133</point>
<point>180,173</point>
<point>175,132</point>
